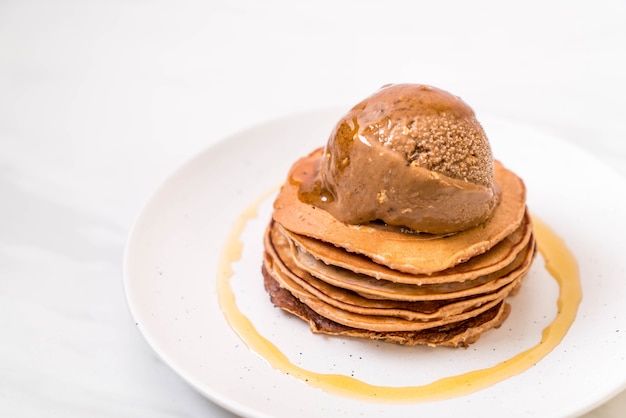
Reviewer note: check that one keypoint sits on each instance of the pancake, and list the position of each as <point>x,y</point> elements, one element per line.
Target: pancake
<point>406,252</point>
<point>297,281</point>
<point>377,323</point>
<point>460,334</point>
<point>349,308</point>
<point>382,289</point>
<point>497,258</point>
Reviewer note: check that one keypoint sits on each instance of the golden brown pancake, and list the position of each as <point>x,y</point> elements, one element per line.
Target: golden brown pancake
<point>278,246</point>
<point>309,250</point>
<point>299,282</point>
<point>460,334</point>
<point>363,321</point>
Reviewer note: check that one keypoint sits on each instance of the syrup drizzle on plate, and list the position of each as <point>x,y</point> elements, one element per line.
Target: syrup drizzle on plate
<point>559,262</point>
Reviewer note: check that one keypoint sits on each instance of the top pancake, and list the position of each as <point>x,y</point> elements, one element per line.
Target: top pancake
<point>497,258</point>
<point>398,249</point>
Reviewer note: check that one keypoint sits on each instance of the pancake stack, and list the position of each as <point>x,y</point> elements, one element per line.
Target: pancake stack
<point>389,282</point>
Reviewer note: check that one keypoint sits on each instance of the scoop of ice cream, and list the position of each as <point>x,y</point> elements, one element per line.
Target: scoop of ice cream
<point>412,156</point>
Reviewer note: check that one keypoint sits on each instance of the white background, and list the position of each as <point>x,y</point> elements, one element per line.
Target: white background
<point>101,100</point>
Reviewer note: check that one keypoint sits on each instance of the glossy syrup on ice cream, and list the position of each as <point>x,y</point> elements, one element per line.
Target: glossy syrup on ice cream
<point>402,152</point>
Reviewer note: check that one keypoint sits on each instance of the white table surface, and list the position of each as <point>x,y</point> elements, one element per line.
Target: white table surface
<point>101,100</point>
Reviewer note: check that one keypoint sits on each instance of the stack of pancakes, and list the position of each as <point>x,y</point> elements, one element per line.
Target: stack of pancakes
<point>389,283</point>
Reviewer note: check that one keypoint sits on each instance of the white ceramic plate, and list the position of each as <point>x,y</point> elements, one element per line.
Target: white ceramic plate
<point>171,266</point>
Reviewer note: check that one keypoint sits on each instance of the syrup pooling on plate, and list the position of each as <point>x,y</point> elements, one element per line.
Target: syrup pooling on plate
<point>559,262</point>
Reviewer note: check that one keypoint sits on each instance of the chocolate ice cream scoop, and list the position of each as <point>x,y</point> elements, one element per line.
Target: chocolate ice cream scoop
<point>410,155</point>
